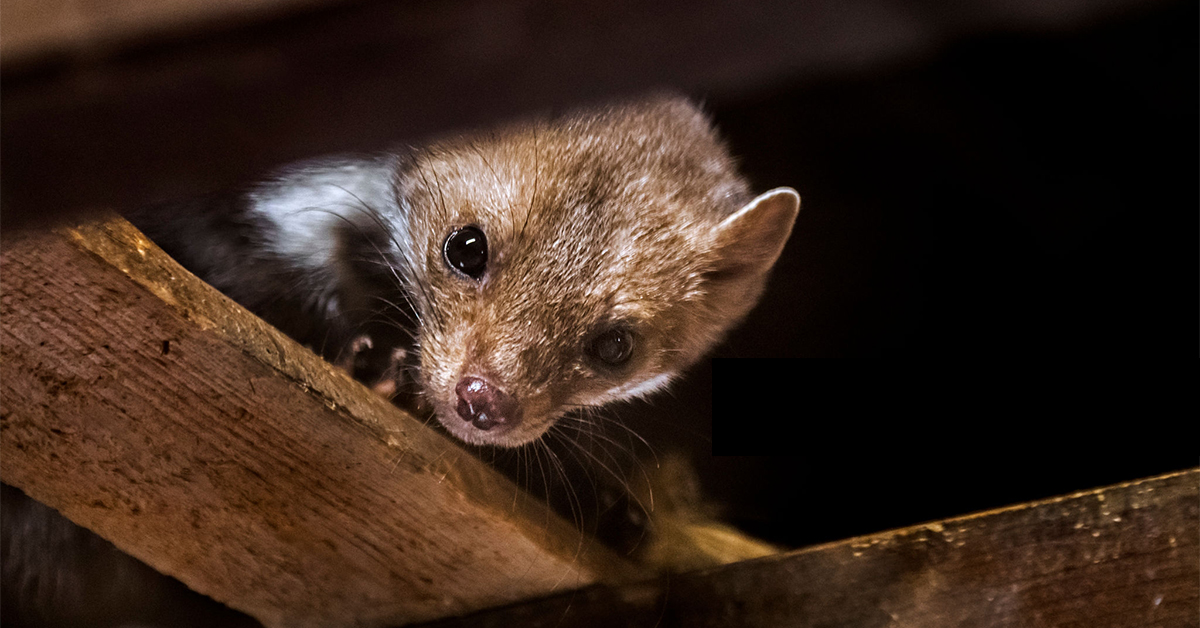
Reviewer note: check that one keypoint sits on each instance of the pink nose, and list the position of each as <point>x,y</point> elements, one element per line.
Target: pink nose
<point>485,406</point>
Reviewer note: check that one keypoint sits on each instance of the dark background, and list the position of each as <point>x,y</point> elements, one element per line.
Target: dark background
<point>1000,203</point>
<point>1010,224</point>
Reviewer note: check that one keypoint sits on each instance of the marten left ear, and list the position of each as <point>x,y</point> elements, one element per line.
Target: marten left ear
<point>750,240</point>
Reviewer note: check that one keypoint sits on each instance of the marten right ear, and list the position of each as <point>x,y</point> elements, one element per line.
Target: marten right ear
<point>750,240</point>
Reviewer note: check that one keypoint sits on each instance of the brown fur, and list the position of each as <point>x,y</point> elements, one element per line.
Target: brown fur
<point>618,214</point>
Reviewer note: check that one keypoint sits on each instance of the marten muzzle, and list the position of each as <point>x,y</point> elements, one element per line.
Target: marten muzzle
<point>486,406</point>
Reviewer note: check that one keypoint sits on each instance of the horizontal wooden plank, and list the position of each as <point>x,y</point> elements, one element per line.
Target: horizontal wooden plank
<point>36,28</point>
<point>1124,556</point>
<point>174,119</point>
<point>149,408</point>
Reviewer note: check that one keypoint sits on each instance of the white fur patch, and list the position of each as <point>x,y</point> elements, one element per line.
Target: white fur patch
<point>306,204</point>
<point>644,387</point>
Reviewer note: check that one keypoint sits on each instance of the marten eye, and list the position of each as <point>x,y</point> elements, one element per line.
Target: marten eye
<point>613,347</point>
<point>465,250</point>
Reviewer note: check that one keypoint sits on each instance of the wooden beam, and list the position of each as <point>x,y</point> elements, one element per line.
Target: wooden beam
<point>37,28</point>
<point>175,118</point>
<point>149,408</point>
<point>1124,556</point>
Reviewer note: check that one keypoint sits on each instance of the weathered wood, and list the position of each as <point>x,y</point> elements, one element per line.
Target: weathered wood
<point>149,408</point>
<point>34,28</point>
<point>1123,556</point>
<point>209,112</point>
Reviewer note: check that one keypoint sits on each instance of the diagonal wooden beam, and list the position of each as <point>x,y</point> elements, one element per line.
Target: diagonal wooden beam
<point>149,408</point>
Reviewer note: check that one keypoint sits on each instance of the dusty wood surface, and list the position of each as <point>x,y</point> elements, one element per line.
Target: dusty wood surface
<point>152,410</point>
<point>176,118</point>
<point>1123,556</point>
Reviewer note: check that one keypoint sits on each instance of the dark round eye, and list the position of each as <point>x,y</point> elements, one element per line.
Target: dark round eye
<point>614,347</point>
<point>465,250</point>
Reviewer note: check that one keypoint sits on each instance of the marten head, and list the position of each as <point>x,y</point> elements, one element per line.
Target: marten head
<point>572,262</point>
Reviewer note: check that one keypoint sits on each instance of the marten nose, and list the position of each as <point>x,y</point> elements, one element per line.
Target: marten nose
<point>485,406</point>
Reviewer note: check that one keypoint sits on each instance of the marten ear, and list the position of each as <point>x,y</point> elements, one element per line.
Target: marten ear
<point>750,240</point>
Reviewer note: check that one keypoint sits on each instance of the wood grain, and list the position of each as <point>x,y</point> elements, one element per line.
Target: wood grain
<point>1124,556</point>
<point>152,410</point>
